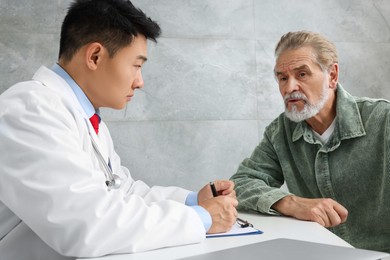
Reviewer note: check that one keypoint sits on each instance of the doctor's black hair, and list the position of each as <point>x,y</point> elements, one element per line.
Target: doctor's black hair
<point>112,23</point>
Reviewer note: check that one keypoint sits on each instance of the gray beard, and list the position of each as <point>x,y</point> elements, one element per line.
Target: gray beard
<point>309,110</point>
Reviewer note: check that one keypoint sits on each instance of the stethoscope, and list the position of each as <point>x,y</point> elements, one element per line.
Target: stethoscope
<point>113,181</point>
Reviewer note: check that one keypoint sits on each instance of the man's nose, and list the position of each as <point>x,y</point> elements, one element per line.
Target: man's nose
<point>139,81</point>
<point>291,85</point>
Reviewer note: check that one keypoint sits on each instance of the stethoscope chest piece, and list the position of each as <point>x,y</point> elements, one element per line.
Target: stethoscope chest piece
<point>114,183</point>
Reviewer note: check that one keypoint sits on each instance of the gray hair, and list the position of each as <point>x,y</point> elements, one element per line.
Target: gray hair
<point>325,52</point>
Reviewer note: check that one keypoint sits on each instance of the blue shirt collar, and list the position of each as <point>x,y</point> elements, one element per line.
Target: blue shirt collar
<point>81,97</point>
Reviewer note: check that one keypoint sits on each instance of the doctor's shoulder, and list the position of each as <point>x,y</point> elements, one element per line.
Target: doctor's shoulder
<point>31,96</point>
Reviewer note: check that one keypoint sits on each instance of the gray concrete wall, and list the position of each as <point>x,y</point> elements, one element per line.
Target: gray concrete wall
<point>209,90</point>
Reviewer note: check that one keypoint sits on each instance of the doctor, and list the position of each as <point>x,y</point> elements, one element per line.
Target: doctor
<point>63,191</point>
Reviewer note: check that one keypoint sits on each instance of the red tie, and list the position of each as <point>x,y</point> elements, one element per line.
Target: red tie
<point>95,122</point>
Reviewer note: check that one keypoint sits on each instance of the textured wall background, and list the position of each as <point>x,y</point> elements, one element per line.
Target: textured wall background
<point>209,90</point>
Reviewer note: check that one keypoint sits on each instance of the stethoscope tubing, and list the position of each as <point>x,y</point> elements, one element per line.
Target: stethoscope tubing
<point>112,180</point>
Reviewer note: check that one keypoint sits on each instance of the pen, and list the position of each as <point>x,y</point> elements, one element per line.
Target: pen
<point>213,190</point>
<point>243,223</point>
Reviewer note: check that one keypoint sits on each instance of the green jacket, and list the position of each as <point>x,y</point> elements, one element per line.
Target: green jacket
<point>353,168</point>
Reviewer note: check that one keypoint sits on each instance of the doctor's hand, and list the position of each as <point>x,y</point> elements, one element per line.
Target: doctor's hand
<point>222,210</point>
<point>223,188</point>
<point>326,212</point>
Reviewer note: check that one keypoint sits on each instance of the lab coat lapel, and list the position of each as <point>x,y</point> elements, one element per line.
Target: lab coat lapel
<point>96,138</point>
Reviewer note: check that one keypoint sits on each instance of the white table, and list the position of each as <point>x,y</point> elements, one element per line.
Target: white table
<point>272,226</point>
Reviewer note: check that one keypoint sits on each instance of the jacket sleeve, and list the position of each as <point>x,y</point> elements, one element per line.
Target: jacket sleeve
<point>258,178</point>
<point>49,180</point>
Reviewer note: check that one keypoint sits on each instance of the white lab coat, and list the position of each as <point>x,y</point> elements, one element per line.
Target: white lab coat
<point>54,203</point>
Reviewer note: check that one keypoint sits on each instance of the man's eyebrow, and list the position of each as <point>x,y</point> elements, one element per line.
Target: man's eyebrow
<point>277,73</point>
<point>304,66</point>
<point>142,57</point>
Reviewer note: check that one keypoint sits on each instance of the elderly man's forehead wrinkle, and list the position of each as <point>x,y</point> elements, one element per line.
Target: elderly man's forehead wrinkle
<point>286,64</point>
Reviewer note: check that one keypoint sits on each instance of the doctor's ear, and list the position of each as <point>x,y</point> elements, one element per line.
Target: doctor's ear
<point>93,55</point>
